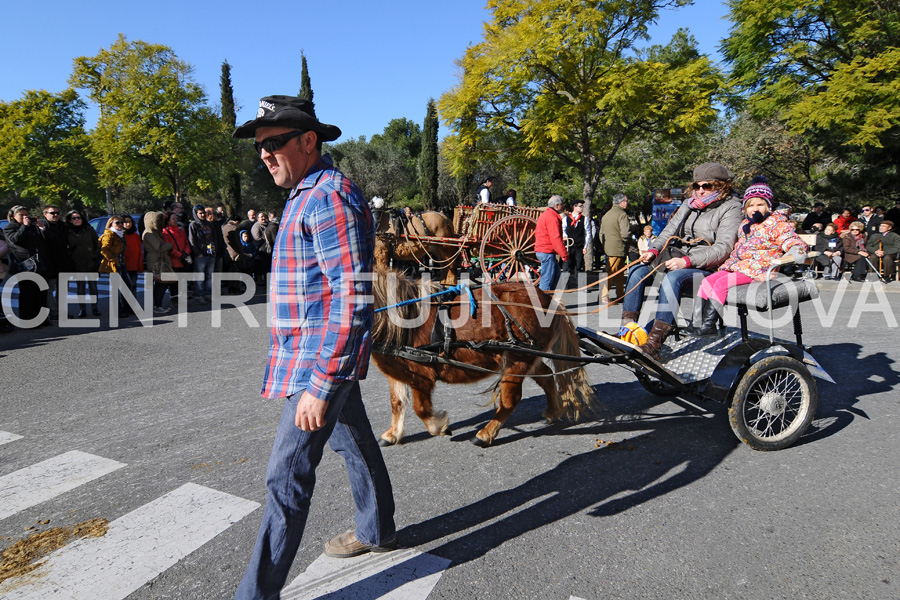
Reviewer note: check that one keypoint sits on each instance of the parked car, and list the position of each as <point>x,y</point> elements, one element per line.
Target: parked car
<point>99,223</point>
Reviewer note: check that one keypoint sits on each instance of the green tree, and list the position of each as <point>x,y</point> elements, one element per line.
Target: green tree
<point>306,91</point>
<point>226,96</point>
<point>231,190</point>
<point>428,158</point>
<point>560,79</point>
<point>44,150</point>
<point>378,168</point>
<point>753,146</point>
<point>153,118</point>
<point>829,70</point>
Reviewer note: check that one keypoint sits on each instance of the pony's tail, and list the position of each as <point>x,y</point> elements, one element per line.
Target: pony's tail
<point>575,391</point>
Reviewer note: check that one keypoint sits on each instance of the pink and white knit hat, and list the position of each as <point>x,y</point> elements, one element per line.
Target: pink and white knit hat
<point>759,188</point>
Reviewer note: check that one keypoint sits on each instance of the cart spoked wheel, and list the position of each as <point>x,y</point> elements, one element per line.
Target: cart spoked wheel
<point>774,403</point>
<point>507,250</point>
<point>655,386</point>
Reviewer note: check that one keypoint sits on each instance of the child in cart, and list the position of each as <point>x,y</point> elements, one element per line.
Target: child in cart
<point>764,235</point>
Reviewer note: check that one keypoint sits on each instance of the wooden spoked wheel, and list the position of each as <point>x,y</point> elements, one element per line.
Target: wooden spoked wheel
<point>507,250</point>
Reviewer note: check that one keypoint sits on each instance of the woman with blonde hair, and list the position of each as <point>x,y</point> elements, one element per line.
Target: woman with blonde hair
<point>855,253</point>
<point>112,254</point>
<point>112,247</point>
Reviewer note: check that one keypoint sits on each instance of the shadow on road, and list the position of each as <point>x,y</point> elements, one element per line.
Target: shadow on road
<point>856,376</point>
<point>670,450</point>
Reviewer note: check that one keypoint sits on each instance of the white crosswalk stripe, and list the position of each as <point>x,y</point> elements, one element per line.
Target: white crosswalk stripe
<point>400,575</point>
<point>47,479</point>
<point>7,437</point>
<point>137,548</point>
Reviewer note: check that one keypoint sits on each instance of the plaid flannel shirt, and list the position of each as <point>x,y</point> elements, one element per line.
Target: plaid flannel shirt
<point>320,291</point>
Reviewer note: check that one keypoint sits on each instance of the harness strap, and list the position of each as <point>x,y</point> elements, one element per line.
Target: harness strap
<point>509,320</point>
<point>423,356</point>
<point>456,289</point>
<point>424,226</point>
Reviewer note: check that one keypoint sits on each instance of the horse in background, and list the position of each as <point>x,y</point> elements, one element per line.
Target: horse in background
<point>391,244</point>
<point>565,386</point>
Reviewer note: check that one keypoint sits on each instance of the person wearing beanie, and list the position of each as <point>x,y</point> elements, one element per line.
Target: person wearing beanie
<point>764,236</point>
<point>695,241</point>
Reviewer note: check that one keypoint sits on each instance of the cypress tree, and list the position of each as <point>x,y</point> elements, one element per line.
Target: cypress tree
<point>229,117</point>
<point>428,159</point>
<point>306,91</point>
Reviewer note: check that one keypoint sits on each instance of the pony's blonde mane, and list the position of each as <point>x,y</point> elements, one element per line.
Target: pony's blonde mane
<point>391,287</point>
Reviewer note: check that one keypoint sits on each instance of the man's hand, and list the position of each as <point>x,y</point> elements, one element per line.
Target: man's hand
<point>865,254</point>
<point>310,412</point>
<point>647,257</point>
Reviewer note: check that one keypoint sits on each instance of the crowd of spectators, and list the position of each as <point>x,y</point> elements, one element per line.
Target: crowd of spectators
<point>859,244</point>
<point>162,242</point>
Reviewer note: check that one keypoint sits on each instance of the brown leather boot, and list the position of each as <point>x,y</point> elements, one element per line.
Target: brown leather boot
<point>656,337</point>
<point>628,316</point>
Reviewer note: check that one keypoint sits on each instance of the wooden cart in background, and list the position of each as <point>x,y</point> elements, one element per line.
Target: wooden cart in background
<point>499,239</point>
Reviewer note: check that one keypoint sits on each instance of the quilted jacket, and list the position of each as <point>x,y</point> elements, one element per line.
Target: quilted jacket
<point>754,251</point>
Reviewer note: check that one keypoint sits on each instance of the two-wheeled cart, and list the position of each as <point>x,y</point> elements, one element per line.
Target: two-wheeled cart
<point>769,385</point>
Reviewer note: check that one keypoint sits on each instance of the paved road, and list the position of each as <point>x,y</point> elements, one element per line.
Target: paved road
<point>161,431</point>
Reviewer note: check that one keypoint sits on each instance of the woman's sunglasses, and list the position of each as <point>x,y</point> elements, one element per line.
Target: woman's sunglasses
<point>706,186</point>
<point>276,142</point>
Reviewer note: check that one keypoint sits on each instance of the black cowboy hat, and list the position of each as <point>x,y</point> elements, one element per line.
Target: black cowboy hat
<point>287,111</point>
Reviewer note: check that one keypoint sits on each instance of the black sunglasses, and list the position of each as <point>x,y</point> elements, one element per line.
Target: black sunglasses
<point>276,142</point>
<point>706,186</point>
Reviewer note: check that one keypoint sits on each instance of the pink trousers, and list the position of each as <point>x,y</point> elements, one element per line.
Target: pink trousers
<point>716,286</point>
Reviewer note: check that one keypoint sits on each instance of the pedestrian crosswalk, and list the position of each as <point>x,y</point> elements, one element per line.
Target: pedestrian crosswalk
<point>137,547</point>
<point>46,480</point>
<point>401,575</point>
<point>142,544</point>
<point>7,437</point>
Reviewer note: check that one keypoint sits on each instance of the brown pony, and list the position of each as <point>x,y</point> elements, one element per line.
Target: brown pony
<point>430,224</point>
<point>567,390</point>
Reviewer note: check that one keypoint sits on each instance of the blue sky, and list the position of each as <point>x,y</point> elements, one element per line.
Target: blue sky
<point>369,62</point>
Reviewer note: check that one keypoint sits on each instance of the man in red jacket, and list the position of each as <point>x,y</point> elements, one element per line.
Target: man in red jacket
<point>548,243</point>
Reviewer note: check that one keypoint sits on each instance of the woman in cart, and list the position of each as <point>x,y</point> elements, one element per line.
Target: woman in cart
<point>764,236</point>
<point>697,239</point>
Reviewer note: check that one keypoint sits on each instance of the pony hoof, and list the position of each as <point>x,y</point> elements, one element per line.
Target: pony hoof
<point>384,443</point>
<point>480,442</point>
<point>446,431</point>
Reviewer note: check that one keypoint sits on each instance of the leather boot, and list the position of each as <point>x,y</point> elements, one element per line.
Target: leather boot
<point>629,316</point>
<point>709,325</point>
<point>656,337</point>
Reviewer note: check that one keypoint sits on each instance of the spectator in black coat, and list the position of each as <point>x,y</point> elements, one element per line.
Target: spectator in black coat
<point>816,220</point>
<point>25,242</point>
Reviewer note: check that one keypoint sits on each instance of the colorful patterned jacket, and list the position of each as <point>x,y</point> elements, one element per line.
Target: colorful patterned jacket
<point>754,251</point>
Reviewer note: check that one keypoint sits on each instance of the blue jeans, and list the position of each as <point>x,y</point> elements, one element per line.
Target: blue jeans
<point>291,477</point>
<point>670,291</point>
<point>549,271</point>
<point>205,265</point>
